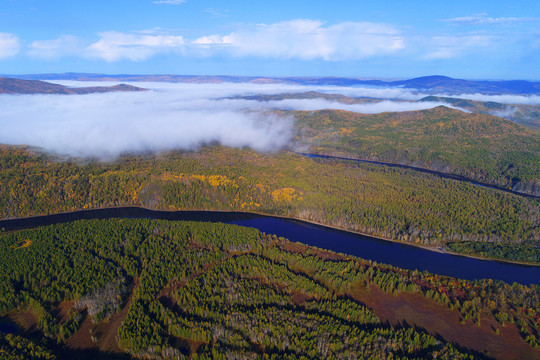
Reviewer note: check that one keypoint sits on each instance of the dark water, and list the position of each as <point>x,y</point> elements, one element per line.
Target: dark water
<point>426,171</point>
<point>8,327</point>
<point>401,255</point>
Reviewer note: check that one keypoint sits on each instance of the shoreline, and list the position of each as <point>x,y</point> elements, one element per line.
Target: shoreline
<point>442,174</point>
<point>438,249</point>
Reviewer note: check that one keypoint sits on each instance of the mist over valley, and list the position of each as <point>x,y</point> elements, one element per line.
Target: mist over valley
<point>186,116</point>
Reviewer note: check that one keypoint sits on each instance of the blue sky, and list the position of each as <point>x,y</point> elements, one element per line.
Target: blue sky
<point>472,39</point>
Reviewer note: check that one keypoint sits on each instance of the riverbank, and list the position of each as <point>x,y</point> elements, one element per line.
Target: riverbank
<point>422,170</point>
<point>437,249</point>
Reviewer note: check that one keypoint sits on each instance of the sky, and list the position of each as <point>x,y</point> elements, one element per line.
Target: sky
<point>388,39</point>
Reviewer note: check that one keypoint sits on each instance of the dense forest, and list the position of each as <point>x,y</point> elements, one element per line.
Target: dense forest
<point>171,289</point>
<point>481,147</point>
<point>391,203</point>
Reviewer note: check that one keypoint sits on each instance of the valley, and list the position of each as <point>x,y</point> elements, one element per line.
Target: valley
<point>122,286</point>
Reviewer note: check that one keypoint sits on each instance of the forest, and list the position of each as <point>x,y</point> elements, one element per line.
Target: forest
<point>485,148</point>
<point>389,203</point>
<point>172,289</point>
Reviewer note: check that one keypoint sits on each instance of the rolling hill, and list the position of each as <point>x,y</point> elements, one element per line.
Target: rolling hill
<point>20,86</point>
<point>482,147</point>
<point>523,114</point>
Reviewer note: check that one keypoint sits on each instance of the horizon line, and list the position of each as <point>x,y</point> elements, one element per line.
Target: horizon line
<point>361,78</point>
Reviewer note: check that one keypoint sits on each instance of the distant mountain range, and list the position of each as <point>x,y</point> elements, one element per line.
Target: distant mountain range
<point>435,84</point>
<point>20,86</point>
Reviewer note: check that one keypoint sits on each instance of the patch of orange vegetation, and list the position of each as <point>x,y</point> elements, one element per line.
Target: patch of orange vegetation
<point>172,177</point>
<point>26,244</point>
<point>213,180</point>
<point>249,204</point>
<point>220,180</point>
<point>286,195</point>
<point>199,177</point>
<point>345,131</point>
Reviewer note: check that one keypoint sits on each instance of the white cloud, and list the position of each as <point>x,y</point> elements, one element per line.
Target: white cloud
<point>296,39</point>
<point>56,48</point>
<point>369,108</point>
<point>222,90</point>
<point>445,47</point>
<point>114,46</point>
<point>483,19</point>
<point>170,2</point>
<point>309,39</point>
<point>217,12</point>
<point>107,125</point>
<point>9,45</point>
<point>213,40</point>
<point>503,99</point>
<point>172,116</point>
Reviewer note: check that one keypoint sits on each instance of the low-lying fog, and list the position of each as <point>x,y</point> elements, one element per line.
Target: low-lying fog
<point>172,116</point>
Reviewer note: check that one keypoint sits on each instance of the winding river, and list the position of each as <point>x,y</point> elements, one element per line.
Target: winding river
<point>423,170</point>
<point>382,251</point>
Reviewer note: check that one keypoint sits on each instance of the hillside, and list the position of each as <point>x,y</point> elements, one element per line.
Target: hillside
<point>19,86</point>
<point>482,147</point>
<point>391,203</point>
<point>119,288</point>
<point>523,114</point>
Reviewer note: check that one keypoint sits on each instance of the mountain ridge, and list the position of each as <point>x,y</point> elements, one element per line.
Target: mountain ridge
<point>23,86</point>
<point>428,84</point>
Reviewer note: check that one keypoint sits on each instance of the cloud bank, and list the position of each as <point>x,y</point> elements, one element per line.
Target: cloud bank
<point>295,39</point>
<point>170,116</point>
<point>308,40</point>
<point>503,99</point>
<point>107,125</point>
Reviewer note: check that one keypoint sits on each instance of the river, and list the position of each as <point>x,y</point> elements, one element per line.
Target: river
<point>382,251</point>
<point>423,170</point>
